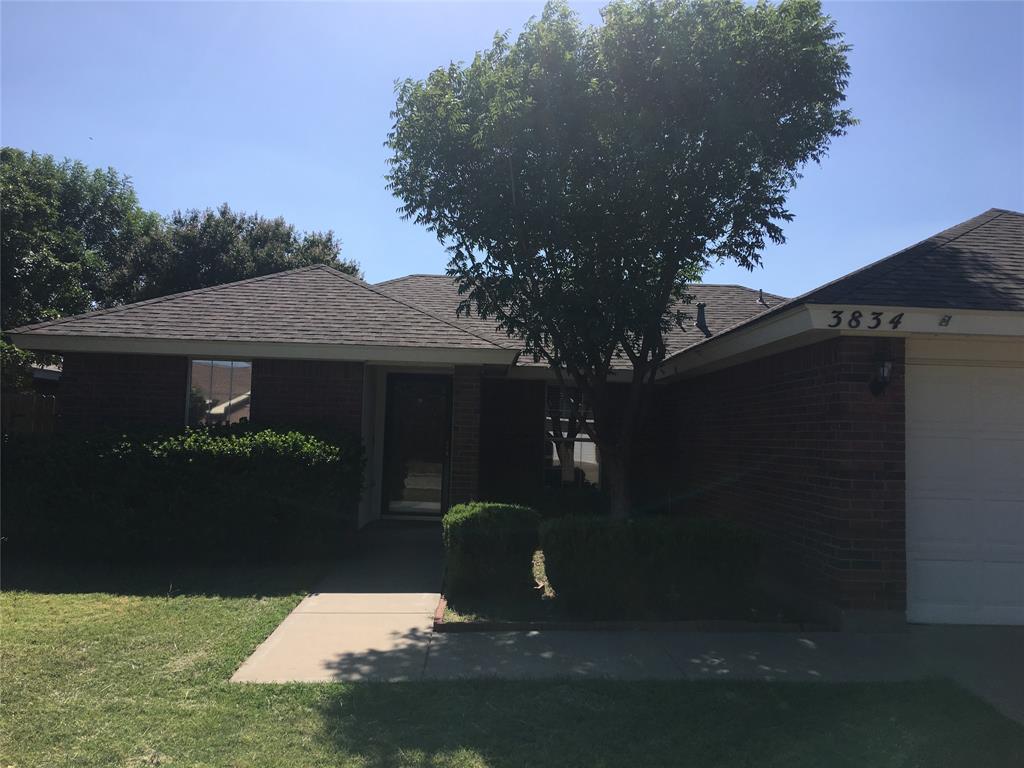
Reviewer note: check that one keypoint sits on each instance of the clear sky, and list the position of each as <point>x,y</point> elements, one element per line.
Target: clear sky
<point>283,109</point>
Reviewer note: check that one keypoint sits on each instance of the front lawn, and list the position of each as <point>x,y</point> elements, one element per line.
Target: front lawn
<point>138,675</point>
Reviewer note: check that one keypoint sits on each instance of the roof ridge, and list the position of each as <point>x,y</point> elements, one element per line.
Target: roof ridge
<point>372,287</point>
<point>159,299</point>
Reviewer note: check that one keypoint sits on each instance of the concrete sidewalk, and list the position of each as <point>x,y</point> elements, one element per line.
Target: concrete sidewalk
<point>372,621</point>
<point>350,627</point>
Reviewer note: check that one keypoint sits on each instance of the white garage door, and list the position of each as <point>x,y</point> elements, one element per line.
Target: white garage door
<point>965,482</point>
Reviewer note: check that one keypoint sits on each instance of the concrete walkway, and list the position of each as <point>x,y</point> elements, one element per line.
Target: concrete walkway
<point>372,621</point>
<point>350,628</point>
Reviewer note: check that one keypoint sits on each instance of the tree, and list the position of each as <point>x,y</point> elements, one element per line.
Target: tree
<point>74,239</point>
<point>581,177</point>
<point>197,248</point>
<point>64,231</point>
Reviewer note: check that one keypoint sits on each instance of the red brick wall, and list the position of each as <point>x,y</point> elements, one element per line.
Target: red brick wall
<point>512,439</point>
<point>797,446</point>
<point>307,393</point>
<point>465,455</point>
<point>101,391</point>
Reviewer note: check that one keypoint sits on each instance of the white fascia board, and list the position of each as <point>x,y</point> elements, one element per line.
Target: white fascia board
<point>247,350</point>
<point>809,323</point>
<point>791,327</point>
<point>915,320</point>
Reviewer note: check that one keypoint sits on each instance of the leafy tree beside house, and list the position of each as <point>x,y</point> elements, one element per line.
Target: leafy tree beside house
<point>74,239</point>
<point>581,177</point>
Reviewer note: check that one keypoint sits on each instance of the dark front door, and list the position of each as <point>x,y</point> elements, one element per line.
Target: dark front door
<point>417,431</point>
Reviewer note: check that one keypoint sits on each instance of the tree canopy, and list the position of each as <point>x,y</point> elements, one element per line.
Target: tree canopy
<point>73,239</point>
<point>580,177</point>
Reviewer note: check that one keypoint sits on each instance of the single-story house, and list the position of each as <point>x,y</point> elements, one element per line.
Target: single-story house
<point>872,429</point>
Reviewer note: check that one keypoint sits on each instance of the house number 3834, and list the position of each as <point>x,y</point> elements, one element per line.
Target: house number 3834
<point>867,320</point>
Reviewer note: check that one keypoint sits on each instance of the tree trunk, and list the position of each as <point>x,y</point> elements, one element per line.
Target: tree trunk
<point>567,461</point>
<point>616,467</point>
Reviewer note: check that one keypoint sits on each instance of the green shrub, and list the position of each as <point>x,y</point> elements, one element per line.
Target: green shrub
<point>647,567</point>
<point>218,495</point>
<point>489,548</point>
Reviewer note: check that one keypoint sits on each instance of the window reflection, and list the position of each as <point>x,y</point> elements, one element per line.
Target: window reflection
<point>220,392</point>
<point>571,456</point>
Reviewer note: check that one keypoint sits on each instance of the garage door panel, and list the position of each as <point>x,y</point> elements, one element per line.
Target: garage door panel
<point>999,467</point>
<point>965,493</point>
<point>993,388</point>
<point>946,532</point>
<point>1001,531</point>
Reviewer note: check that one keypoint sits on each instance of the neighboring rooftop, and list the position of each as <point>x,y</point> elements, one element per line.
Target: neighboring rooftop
<point>726,305</point>
<point>316,305</point>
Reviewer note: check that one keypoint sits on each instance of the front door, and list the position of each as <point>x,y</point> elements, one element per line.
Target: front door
<point>417,433</point>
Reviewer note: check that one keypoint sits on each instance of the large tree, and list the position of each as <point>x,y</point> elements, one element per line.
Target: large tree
<point>196,248</point>
<point>581,177</point>
<point>74,238</point>
<point>65,230</point>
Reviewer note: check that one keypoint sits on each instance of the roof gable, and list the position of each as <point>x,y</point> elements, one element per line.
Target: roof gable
<point>316,305</point>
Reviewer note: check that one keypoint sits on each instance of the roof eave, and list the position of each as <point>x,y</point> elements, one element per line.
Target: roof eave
<point>240,349</point>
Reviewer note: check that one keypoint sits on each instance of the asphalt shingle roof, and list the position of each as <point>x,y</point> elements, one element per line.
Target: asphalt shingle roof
<point>726,305</point>
<point>314,304</point>
<point>978,264</point>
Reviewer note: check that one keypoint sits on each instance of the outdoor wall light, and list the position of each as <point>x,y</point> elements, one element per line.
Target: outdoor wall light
<point>880,381</point>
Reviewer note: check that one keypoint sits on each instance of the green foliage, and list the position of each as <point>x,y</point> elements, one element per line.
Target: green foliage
<point>581,177</point>
<point>647,567</point>
<point>217,495</point>
<point>197,248</point>
<point>74,239</point>
<point>489,548</point>
<point>66,230</point>
<point>15,367</point>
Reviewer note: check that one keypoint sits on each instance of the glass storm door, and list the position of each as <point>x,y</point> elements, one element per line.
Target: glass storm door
<point>417,430</point>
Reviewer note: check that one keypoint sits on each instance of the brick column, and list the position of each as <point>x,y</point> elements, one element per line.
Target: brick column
<point>465,454</point>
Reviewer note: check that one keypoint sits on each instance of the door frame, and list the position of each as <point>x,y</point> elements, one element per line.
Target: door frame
<point>389,377</point>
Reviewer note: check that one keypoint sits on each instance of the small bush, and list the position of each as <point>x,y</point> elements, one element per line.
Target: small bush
<point>647,567</point>
<point>216,495</point>
<point>489,548</point>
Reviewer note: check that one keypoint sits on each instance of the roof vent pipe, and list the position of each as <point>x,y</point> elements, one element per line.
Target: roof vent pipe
<point>760,297</point>
<point>702,323</point>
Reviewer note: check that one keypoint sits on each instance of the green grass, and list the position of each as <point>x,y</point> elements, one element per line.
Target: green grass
<point>121,679</point>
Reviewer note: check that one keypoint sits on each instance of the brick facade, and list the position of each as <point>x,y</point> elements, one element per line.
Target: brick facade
<point>796,445</point>
<point>512,439</point>
<point>465,453</point>
<point>109,391</point>
<point>308,393</point>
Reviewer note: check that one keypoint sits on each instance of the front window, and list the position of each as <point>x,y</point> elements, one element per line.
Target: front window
<point>220,392</point>
<point>571,456</point>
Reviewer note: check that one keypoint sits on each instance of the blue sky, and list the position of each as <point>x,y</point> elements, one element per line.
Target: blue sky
<point>283,109</point>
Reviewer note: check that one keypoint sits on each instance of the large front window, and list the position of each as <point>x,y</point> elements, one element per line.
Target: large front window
<point>220,392</point>
<point>571,456</point>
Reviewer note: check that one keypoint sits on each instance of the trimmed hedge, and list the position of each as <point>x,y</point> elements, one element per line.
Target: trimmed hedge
<point>213,495</point>
<point>489,548</point>
<point>648,567</point>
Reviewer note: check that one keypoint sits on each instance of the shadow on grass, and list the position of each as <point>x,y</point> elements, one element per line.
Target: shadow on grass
<point>505,723</point>
<point>162,579</point>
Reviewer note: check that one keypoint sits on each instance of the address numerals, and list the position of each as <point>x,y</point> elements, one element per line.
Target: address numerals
<point>867,320</point>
